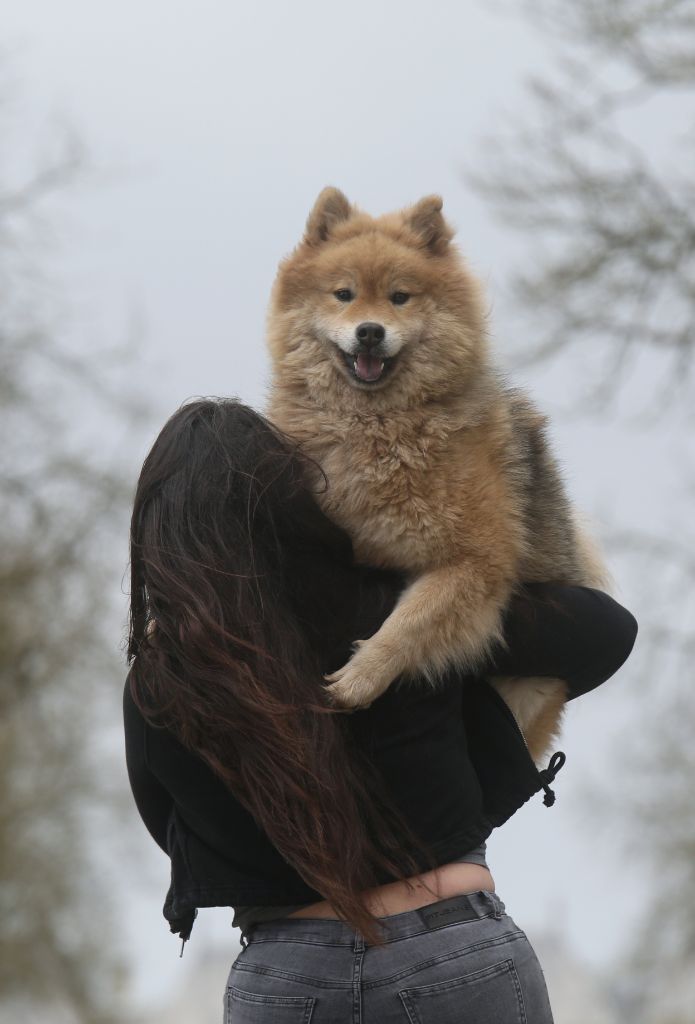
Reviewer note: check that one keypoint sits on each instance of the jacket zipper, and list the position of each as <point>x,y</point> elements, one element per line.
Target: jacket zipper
<point>556,762</point>
<point>500,699</point>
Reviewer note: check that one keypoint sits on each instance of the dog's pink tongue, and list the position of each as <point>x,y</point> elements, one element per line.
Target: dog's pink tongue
<point>368,367</point>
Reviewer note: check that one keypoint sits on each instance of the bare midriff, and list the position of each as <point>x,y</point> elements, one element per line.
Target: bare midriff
<point>453,879</point>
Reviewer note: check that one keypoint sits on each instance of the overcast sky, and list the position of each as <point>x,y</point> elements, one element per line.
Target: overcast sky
<point>214,125</point>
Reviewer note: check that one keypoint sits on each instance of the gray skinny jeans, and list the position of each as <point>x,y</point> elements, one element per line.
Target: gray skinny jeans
<point>459,961</point>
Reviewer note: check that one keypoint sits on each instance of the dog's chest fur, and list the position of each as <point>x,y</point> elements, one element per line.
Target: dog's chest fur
<point>406,488</point>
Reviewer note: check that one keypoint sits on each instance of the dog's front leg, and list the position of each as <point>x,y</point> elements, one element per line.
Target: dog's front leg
<point>447,616</point>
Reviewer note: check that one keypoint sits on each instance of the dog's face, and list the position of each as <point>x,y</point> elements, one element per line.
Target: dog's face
<point>376,305</point>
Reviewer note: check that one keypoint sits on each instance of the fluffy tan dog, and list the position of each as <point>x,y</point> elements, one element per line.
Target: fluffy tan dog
<point>381,368</point>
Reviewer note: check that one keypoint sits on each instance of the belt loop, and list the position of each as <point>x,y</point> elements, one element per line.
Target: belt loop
<point>497,905</point>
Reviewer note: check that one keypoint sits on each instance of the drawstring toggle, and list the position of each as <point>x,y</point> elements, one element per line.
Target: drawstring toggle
<point>548,775</point>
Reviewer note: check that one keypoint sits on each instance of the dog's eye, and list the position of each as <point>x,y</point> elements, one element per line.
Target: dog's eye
<point>344,295</point>
<point>400,298</point>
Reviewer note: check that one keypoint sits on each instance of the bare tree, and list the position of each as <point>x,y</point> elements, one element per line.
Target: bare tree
<point>61,499</point>
<point>608,221</point>
<point>613,262</point>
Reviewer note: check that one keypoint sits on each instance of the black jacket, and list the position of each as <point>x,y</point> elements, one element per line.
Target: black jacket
<point>454,760</point>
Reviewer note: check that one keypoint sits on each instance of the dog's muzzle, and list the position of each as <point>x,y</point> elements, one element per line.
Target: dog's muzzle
<point>367,361</point>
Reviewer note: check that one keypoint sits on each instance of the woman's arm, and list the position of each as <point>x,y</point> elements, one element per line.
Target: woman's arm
<point>153,801</point>
<point>577,634</point>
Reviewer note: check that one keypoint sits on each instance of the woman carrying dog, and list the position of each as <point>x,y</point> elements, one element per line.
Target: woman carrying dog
<point>351,846</point>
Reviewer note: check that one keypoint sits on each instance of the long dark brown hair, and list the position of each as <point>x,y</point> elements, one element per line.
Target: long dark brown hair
<point>220,659</point>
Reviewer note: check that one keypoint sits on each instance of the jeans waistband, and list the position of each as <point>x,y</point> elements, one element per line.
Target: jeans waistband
<point>329,931</point>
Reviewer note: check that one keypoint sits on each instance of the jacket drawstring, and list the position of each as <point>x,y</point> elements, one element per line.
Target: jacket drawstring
<point>184,926</point>
<point>548,775</point>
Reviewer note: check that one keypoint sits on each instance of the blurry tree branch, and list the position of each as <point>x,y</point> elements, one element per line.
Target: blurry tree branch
<point>609,226</point>
<point>617,268</point>
<point>59,173</point>
<point>62,500</point>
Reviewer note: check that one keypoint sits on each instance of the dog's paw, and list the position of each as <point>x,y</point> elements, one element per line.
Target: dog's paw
<point>354,687</point>
<point>349,689</point>
<point>369,673</point>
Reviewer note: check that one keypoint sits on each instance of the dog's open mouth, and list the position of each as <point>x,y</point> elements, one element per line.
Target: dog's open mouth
<point>367,367</point>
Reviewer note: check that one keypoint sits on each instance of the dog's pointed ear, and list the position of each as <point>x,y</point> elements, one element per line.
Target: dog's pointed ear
<point>425,218</point>
<point>330,209</point>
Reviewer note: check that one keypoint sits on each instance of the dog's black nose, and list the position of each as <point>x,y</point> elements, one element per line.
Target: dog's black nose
<point>370,334</point>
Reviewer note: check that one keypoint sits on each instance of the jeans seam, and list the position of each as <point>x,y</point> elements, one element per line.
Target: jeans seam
<point>303,979</point>
<point>359,951</point>
<point>445,957</point>
<point>309,942</point>
<point>519,993</point>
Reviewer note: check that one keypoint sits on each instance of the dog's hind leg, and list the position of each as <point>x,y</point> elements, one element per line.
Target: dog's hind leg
<point>538,706</point>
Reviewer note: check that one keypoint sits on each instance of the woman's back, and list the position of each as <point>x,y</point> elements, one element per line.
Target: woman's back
<point>263,795</point>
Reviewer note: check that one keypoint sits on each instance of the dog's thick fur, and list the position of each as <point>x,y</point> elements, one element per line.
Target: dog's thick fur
<point>436,466</point>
